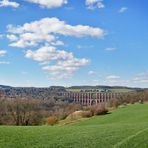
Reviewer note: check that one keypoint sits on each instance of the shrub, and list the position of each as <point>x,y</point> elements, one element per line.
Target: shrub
<point>141,101</point>
<point>114,103</point>
<point>92,109</point>
<point>101,111</point>
<point>80,114</point>
<point>64,111</point>
<point>86,114</point>
<point>98,110</point>
<point>60,114</point>
<point>74,117</point>
<point>52,120</point>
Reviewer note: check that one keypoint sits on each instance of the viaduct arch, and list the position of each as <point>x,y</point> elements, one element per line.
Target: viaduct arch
<point>90,98</point>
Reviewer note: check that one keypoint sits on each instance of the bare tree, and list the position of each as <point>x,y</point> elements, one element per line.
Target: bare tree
<point>23,110</point>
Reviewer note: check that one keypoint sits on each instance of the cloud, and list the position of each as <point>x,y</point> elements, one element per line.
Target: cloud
<point>92,4</point>
<point>48,53</point>
<point>34,33</point>
<point>4,62</point>
<point>91,72</point>
<point>24,72</point>
<point>65,63</point>
<point>45,40</point>
<point>69,8</point>
<point>7,3</point>
<point>84,46</point>
<point>141,78</point>
<point>110,49</point>
<point>111,77</point>
<point>28,39</point>
<point>123,9</point>
<point>65,69</point>
<point>2,53</point>
<point>12,37</point>
<point>1,35</point>
<point>49,3</point>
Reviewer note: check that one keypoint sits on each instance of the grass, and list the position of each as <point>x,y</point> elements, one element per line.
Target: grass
<point>124,90</point>
<point>126,127</point>
<point>74,90</point>
<point>113,90</point>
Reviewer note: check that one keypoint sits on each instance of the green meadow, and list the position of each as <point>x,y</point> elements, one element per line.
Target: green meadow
<point>122,90</point>
<point>125,127</point>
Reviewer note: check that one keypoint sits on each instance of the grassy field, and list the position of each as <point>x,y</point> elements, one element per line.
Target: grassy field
<point>113,90</point>
<point>126,127</point>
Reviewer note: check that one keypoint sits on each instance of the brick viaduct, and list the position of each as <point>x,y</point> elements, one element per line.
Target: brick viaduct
<point>90,98</point>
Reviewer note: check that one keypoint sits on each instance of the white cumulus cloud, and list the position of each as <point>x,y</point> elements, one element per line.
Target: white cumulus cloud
<point>1,35</point>
<point>49,3</point>
<point>7,3</point>
<point>112,77</point>
<point>65,63</point>
<point>12,37</point>
<point>45,35</point>
<point>91,72</point>
<point>110,49</point>
<point>92,4</point>
<point>123,9</point>
<point>141,78</point>
<point>31,34</point>
<point>3,53</point>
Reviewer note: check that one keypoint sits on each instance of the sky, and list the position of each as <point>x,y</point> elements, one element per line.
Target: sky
<point>74,42</point>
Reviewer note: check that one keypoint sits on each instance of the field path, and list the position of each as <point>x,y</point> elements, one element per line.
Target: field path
<point>129,138</point>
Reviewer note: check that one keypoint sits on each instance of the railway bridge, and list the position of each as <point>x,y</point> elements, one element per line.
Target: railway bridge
<point>89,99</point>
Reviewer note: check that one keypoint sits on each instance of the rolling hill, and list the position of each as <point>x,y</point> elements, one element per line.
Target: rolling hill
<point>125,127</point>
<point>45,92</point>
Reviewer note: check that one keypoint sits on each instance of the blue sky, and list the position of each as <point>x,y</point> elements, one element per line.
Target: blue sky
<point>69,42</point>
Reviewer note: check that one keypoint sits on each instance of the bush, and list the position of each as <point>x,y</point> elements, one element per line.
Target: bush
<point>101,110</point>
<point>141,101</point>
<point>80,114</point>
<point>74,117</point>
<point>96,110</point>
<point>114,103</point>
<point>52,120</point>
<point>86,114</point>
<point>64,111</point>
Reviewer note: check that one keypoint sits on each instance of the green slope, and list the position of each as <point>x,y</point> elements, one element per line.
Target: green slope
<point>116,90</point>
<point>123,128</point>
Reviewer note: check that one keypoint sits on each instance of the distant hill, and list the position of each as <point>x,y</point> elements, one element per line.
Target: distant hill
<point>34,92</point>
<point>103,87</point>
<point>4,87</point>
<point>44,93</point>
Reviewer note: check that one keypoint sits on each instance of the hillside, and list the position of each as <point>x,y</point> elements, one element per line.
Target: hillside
<point>34,92</point>
<point>102,88</point>
<point>126,127</point>
<point>45,92</point>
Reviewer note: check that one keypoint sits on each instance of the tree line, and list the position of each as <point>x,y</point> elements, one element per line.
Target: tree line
<point>25,111</point>
<point>130,98</point>
<point>29,111</point>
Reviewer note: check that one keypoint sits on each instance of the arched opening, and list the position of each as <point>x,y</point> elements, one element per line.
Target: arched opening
<point>93,102</point>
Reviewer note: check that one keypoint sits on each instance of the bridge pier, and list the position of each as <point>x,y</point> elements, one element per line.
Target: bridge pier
<point>89,99</point>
